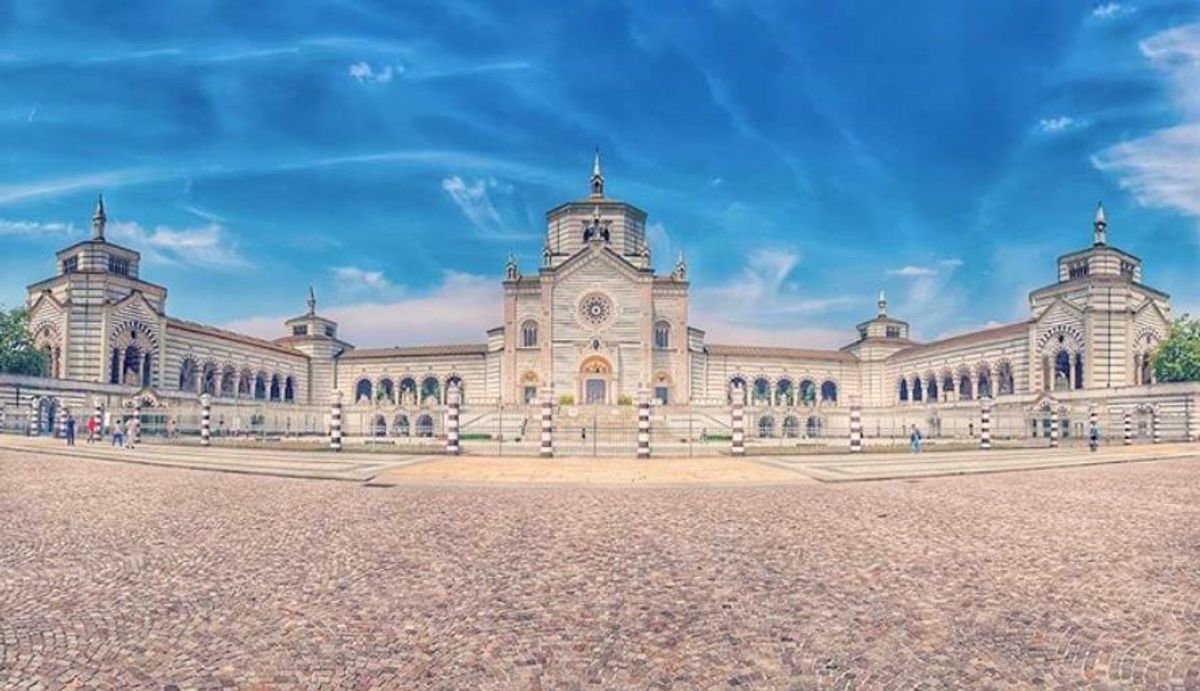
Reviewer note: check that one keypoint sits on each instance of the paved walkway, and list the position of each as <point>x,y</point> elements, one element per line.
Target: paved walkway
<point>355,467</point>
<point>134,576</point>
<point>889,466</point>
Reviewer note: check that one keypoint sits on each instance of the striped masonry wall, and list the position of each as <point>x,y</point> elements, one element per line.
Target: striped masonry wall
<point>856,428</point>
<point>335,421</point>
<point>1127,422</point>
<point>547,447</point>
<point>205,420</point>
<point>985,423</point>
<point>739,422</point>
<point>454,404</point>
<point>1053,427</point>
<point>643,447</point>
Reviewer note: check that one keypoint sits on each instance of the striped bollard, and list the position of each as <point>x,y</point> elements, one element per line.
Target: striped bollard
<point>643,439</point>
<point>739,422</point>
<point>1191,422</point>
<point>547,447</point>
<point>985,423</point>
<point>1053,427</point>
<point>335,421</point>
<point>1093,420</point>
<point>35,417</point>
<point>137,421</point>
<point>98,416</point>
<point>205,420</point>
<point>856,428</point>
<point>454,401</point>
<point>1127,422</point>
<point>62,423</point>
<point>1155,433</point>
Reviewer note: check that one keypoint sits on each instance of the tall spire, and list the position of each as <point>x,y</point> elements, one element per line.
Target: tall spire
<point>312,301</point>
<point>597,176</point>
<point>882,303</point>
<point>1100,226</point>
<point>99,219</point>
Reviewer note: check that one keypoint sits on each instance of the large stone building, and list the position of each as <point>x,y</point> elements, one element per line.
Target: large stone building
<point>595,325</point>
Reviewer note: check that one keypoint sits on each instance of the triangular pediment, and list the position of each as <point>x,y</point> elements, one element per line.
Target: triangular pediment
<point>1059,306</point>
<point>46,298</point>
<point>598,253</point>
<point>135,304</point>
<point>1151,305</point>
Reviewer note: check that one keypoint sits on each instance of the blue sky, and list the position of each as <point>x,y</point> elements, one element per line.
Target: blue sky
<point>803,154</point>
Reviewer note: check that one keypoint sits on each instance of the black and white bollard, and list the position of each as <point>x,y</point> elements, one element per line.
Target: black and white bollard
<point>61,432</point>
<point>643,435</point>
<point>547,447</point>
<point>335,421</point>
<point>1127,422</point>
<point>1093,420</point>
<point>1155,432</point>
<point>454,404</point>
<point>205,420</point>
<point>739,422</point>
<point>985,423</point>
<point>35,417</point>
<point>1053,427</point>
<point>856,428</point>
<point>137,421</point>
<point>98,416</point>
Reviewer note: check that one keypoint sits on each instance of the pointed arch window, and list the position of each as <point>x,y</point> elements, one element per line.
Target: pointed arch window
<point>662,335</point>
<point>529,333</point>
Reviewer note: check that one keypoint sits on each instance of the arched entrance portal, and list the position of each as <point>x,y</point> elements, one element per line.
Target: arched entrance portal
<point>595,381</point>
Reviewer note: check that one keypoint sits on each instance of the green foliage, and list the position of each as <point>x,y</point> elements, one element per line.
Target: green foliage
<point>1178,357</point>
<point>566,399</point>
<point>17,354</point>
<point>624,399</point>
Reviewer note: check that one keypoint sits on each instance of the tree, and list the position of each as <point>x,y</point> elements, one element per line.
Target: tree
<point>17,354</point>
<point>1178,357</point>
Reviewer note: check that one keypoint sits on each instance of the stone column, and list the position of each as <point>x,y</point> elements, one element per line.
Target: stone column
<point>205,420</point>
<point>643,437</point>
<point>454,402</point>
<point>739,422</point>
<point>1155,433</point>
<point>547,448</point>
<point>856,428</point>
<point>1053,427</point>
<point>35,417</point>
<point>985,423</point>
<point>335,421</point>
<point>1127,421</point>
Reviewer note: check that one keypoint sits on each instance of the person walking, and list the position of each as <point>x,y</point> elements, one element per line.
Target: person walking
<point>130,432</point>
<point>915,439</point>
<point>70,430</point>
<point>91,429</point>
<point>1094,437</point>
<point>118,434</point>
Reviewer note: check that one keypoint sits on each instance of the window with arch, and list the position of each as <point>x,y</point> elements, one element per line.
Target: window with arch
<point>188,375</point>
<point>808,392</point>
<point>931,393</point>
<point>984,387</point>
<point>766,427</point>
<point>1004,379</point>
<point>812,427</point>
<point>408,390</point>
<point>662,335</point>
<point>529,334</point>
<point>736,384</point>
<point>208,379</point>
<point>245,385</point>
<point>965,388</point>
<point>276,387</point>
<point>229,382</point>
<point>379,426</point>
<point>902,393</point>
<point>424,426</point>
<point>362,391</point>
<point>791,427</point>
<point>387,391</point>
<point>917,393</point>
<point>785,393</point>
<point>400,426</point>
<point>260,386</point>
<point>828,391</point>
<point>761,394</point>
<point>289,390</point>
<point>430,388</point>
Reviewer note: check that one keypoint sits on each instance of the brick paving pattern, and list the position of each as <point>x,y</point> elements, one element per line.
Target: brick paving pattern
<point>120,576</point>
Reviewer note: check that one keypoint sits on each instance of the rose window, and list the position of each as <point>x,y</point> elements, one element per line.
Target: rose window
<point>595,309</point>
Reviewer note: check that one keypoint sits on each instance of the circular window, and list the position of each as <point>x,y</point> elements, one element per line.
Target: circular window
<point>595,309</point>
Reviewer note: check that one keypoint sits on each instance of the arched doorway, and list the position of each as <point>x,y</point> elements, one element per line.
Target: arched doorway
<point>595,379</point>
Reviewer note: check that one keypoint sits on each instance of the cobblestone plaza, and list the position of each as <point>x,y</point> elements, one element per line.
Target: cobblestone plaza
<point>116,575</point>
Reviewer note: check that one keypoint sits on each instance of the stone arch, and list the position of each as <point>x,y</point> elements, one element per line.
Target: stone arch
<point>966,385</point>
<point>260,386</point>
<point>407,390</point>
<point>228,383</point>
<point>209,378</point>
<point>662,334</point>
<point>1005,384</point>
<point>902,390</point>
<point>386,390</point>
<point>189,375</point>
<point>424,426</point>
<point>662,388</point>
<point>829,392</point>
<point>378,426</point>
<point>400,426</point>
<point>529,333</point>
<point>1144,343</point>
<point>47,339</point>
<point>785,391</point>
<point>363,391</point>
<point>931,386</point>
<point>983,380</point>
<point>289,389</point>
<point>431,390</point>
<point>917,392</point>
<point>245,384</point>
<point>812,427</point>
<point>595,380</point>
<point>790,428</point>
<point>766,427</point>
<point>133,350</point>
<point>276,387</point>
<point>1060,334</point>
<point>948,387</point>
<point>735,382</point>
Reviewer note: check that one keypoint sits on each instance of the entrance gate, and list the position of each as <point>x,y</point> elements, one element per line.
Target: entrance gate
<point>595,431</point>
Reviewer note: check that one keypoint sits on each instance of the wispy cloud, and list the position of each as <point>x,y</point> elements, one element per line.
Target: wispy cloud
<point>1061,123</point>
<point>22,191</point>
<point>34,228</point>
<point>459,309</point>
<point>1161,169</point>
<point>207,247</point>
<point>1110,10</point>
<point>911,271</point>
<point>354,280</point>
<point>474,200</point>
<point>364,73</point>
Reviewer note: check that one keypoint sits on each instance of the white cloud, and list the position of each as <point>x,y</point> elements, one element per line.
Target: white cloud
<point>364,73</point>
<point>95,181</point>
<point>912,271</point>
<point>354,280</point>
<point>474,200</point>
<point>1160,169</point>
<point>459,309</point>
<point>1109,10</point>
<point>208,246</point>
<point>1058,124</point>
<point>32,228</point>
